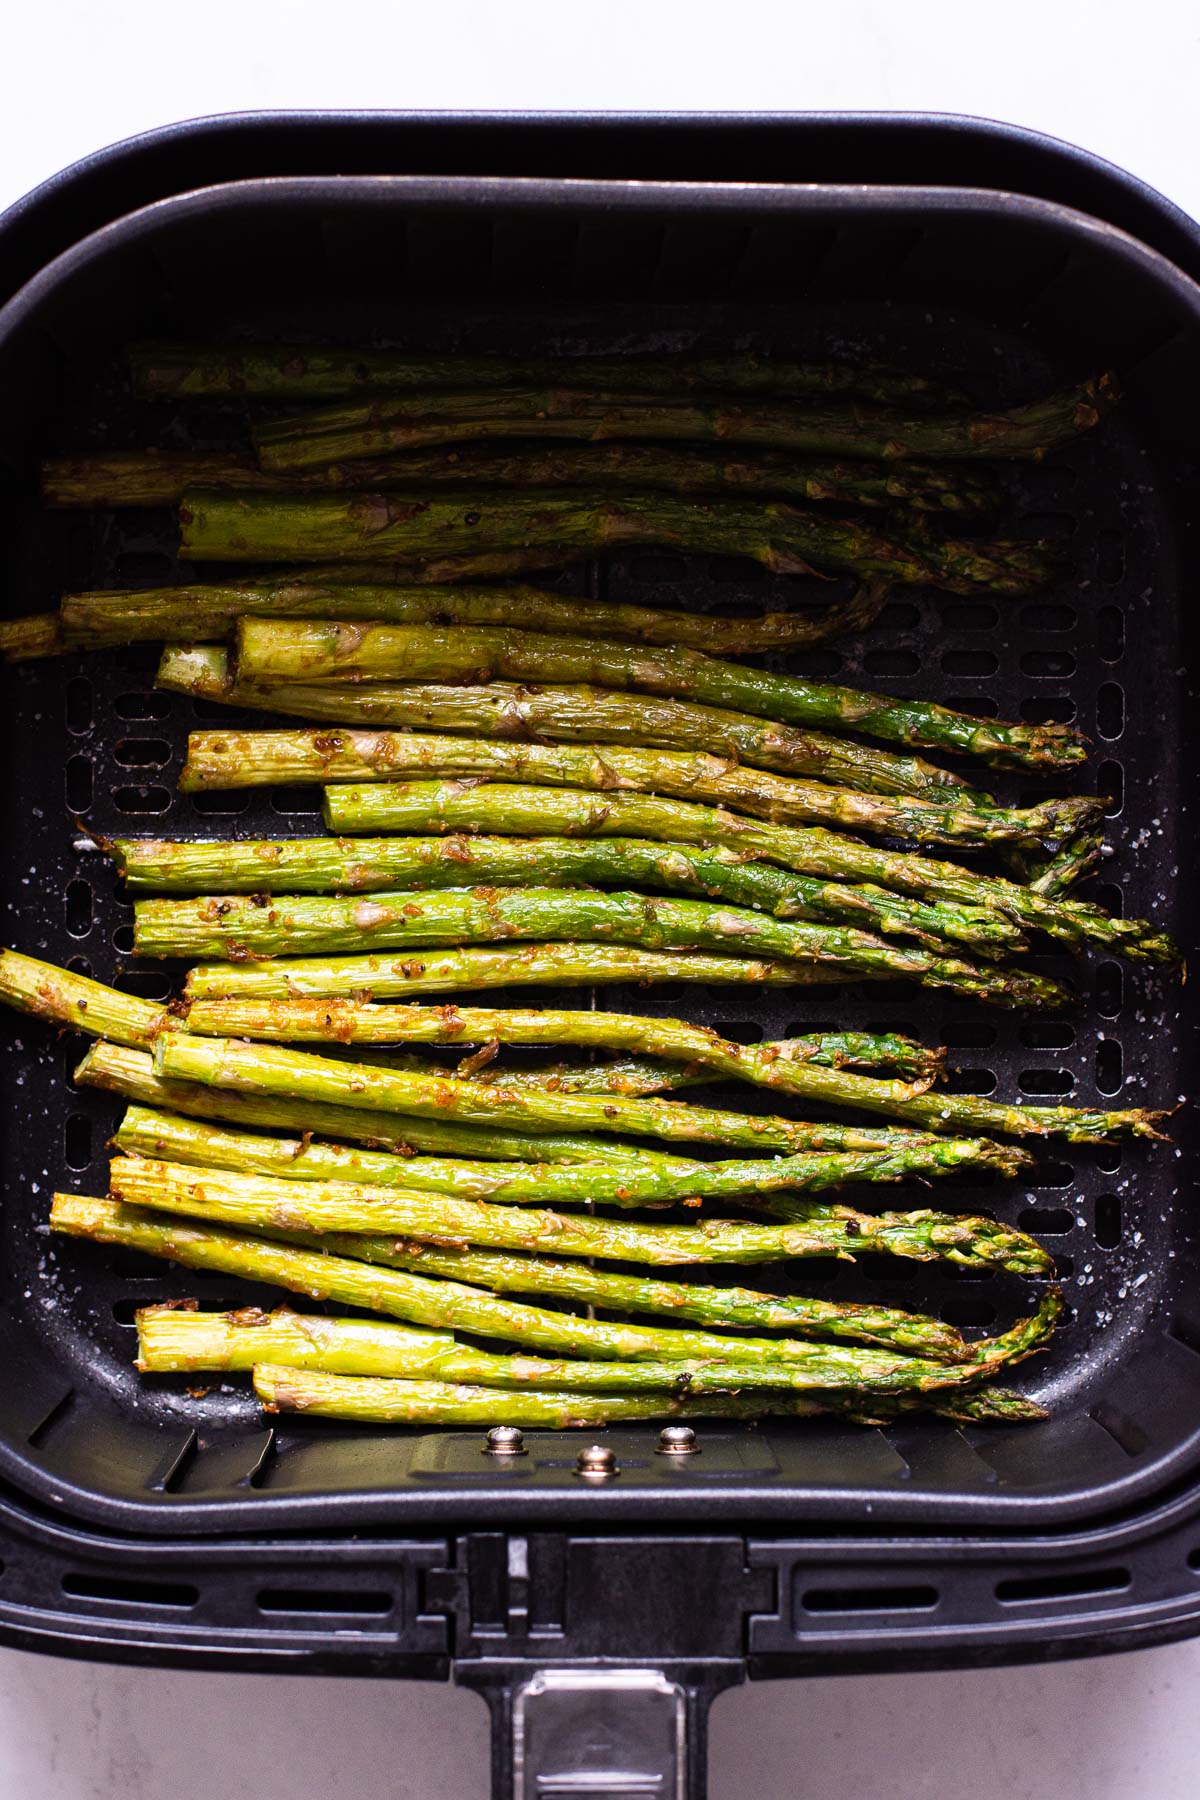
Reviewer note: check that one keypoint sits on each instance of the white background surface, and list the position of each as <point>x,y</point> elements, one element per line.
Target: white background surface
<point>1121,79</point>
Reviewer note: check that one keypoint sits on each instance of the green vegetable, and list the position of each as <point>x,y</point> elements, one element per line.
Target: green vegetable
<point>296,650</point>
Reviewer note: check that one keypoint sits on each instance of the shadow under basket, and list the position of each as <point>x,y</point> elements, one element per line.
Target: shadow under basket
<point>1001,294</point>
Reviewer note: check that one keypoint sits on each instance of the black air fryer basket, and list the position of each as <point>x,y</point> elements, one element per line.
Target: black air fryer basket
<point>138,1522</point>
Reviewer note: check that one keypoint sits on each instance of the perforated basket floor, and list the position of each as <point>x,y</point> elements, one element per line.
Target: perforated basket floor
<point>88,741</point>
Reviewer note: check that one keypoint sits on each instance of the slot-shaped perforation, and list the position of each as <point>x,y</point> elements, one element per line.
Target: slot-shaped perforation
<point>899,615</point>
<point>1107,1230</point>
<point>141,802</point>
<point>1046,1082</point>
<point>1048,665</point>
<point>1046,1221</point>
<point>77,782</point>
<point>971,615</point>
<point>78,908</point>
<point>969,1312</point>
<point>1110,633</point>
<point>821,663</point>
<point>221,805</point>
<point>296,802</point>
<point>971,1081</point>
<point>141,753</point>
<point>1112,549</point>
<point>140,706</point>
<point>1049,1174</point>
<point>77,1141</point>
<point>1110,710</point>
<point>980,706</point>
<point>1109,1066</point>
<point>969,1034</point>
<point>743,1031</point>
<point>1110,781</point>
<point>1048,709</point>
<point>1055,527</point>
<point>978,664</point>
<point>80,705</point>
<point>892,662</point>
<point>1047,1034</point>
<point>1110,897</point>
<point>1044,615</point>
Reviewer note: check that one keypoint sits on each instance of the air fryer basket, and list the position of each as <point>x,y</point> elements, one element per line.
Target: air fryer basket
<point>1002,293</point>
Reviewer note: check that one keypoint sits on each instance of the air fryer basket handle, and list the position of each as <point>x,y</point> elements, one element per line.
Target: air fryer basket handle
<point>567,1730</point>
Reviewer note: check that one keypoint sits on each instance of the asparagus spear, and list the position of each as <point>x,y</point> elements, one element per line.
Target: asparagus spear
<point>232,759</point>
<point>172,1340</point>
<point>321,371</point>
<point>642,1075</point>
<point>32,635</point>
<point>723,1308</point>
<point>93,621</point>
<point>413,1298</point>
<point>441,1304</point>
<point>265,1068</point>
<point>162,477</point>
<point>178,1140</point>
<point>177,1340</point>
<point>166,1137</point>
<point>64,998</point>
<point>238,929</point>
<point>291,650</point>
<point>59,995</point>
<point>593,715</point>
<point>692,1046</point>
<point>370,1401</point>
<point>1054,875</point>
<point>986,1406</point>
<point>375,427</point>
<point>881,1052</point>
<point>434,807</point>
<point>529,965</point>
<point>633,1075</point>
<point>346,1022</point>
<point>262,1202</point>
<point>555,528</point>
<point>131,1074</point>
<point>363,865</point>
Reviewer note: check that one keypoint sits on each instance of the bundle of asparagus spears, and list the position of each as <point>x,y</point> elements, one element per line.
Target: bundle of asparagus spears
<point>525,789</point>
<point>427,1195</point>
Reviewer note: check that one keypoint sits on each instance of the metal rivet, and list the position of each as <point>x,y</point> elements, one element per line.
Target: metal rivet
<point>505,1440</point>
<point>597,1462</point>
<point>677,1440</point>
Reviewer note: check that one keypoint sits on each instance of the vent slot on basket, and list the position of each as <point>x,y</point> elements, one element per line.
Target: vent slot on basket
<point>1028,1591</point>
<point>917,1598</point>
<point>175,1595</point>
<point>321,1601</point>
